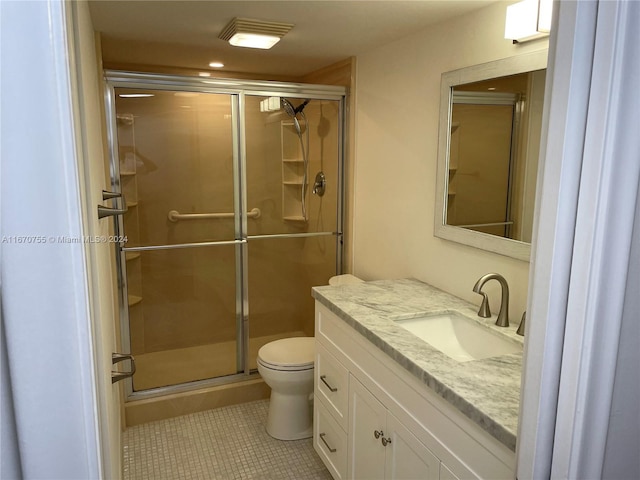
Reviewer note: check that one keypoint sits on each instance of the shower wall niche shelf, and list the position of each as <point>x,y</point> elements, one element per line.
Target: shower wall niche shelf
<point>292,173</point>
<point>128,163</point>
<point>133,300</point>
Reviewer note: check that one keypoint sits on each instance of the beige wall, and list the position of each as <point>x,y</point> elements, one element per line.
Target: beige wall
<point>396,152</point>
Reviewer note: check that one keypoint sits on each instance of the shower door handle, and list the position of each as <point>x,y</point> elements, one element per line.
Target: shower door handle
<point>121,357</point>
<point>106,195</point>
<point>107,211</point>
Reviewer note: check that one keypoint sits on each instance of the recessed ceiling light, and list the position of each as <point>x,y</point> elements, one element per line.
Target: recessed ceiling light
<point>135,95</point>
<point>491,88</point>
<point>204,74</point>
<point>216,64</point>
<point>246,32</point>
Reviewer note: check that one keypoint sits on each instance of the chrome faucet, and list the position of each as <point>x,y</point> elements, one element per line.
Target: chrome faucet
<point>484,311</point>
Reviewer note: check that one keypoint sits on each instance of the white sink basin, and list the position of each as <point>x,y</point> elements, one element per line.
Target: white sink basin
<point>458,336</point>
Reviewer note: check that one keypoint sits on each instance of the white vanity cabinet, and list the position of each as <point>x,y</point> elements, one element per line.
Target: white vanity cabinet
<point>380,446</point>
<point>375,420</point>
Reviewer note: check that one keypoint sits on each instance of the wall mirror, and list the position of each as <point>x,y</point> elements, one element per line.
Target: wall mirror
<point>488,149</point>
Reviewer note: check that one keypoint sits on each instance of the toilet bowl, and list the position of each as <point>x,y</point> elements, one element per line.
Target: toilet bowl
<point>287,367</point>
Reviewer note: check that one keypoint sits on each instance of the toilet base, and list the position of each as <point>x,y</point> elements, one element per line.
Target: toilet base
<point>290,416</point>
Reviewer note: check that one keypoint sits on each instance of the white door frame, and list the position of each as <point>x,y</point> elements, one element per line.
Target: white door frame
<point>587,195</point>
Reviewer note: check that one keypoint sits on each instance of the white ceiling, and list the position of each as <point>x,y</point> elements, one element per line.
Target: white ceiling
<point>185,33</point>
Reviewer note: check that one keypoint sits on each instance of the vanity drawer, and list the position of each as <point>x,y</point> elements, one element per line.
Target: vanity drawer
<point>332,384</point>
<point>329,441</point>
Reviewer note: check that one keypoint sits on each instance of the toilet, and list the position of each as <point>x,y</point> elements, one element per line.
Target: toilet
<point>286,365</point>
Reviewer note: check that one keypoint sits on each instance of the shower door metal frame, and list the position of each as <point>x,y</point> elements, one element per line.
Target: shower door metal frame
<point>236,89</point>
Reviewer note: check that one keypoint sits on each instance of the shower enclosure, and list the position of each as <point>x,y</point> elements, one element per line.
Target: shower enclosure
<point>233,213</point>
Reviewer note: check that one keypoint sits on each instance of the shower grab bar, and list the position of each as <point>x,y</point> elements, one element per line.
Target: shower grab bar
<point>495,224</point>
<point>175,216</point>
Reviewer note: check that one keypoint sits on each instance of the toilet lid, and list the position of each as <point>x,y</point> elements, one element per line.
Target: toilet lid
<point>288,352</point>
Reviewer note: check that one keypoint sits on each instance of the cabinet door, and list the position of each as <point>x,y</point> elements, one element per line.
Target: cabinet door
<point>366,417</point>
<point>406,457</point>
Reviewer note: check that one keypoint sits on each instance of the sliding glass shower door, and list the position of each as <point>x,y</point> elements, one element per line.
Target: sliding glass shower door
<point>234,214</point>
<point>176,161</point>
<point>292,247</point>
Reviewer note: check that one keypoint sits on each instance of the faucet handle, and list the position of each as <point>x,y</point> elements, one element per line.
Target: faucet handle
<point>520,330</point>
<point>484,311</point>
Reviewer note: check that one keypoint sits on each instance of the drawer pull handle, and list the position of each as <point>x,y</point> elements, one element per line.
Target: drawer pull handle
<point>332,450</point>
<point>378,433</point>
<point>333,389</point>
<point>386,441</point>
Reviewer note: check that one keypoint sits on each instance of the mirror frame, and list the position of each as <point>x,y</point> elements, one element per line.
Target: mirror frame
<point>499,68</point>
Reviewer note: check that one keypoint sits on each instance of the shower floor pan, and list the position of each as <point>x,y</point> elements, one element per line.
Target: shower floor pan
<point>173,367</point>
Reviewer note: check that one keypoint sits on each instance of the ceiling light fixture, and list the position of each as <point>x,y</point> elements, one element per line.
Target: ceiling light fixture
<point>216,64</point>
<point>528,20</point>
<point>246,32</point>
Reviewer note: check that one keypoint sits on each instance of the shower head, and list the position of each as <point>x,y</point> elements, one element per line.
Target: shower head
<point>288,108</point>
<point>300,107</point>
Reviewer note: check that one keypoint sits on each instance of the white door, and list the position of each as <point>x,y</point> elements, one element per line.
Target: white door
<point>367,418</point>
<point>406,458</point>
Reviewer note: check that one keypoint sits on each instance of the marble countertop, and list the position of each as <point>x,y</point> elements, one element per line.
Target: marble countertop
<point>487,391</point>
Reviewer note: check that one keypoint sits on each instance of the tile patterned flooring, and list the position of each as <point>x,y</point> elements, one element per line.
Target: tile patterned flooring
<point>225,443</point>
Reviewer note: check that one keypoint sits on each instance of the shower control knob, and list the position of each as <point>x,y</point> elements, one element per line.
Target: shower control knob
<point>320,184</point>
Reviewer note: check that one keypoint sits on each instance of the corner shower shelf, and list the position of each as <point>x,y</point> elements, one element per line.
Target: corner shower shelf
<point>128,256</point>
<point>293,165</point>
<point>133,300</point>
<point>127,173</point>
<point>132,204</point>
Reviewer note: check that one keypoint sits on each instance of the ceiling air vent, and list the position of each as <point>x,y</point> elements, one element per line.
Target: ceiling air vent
<point>247,32</point>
